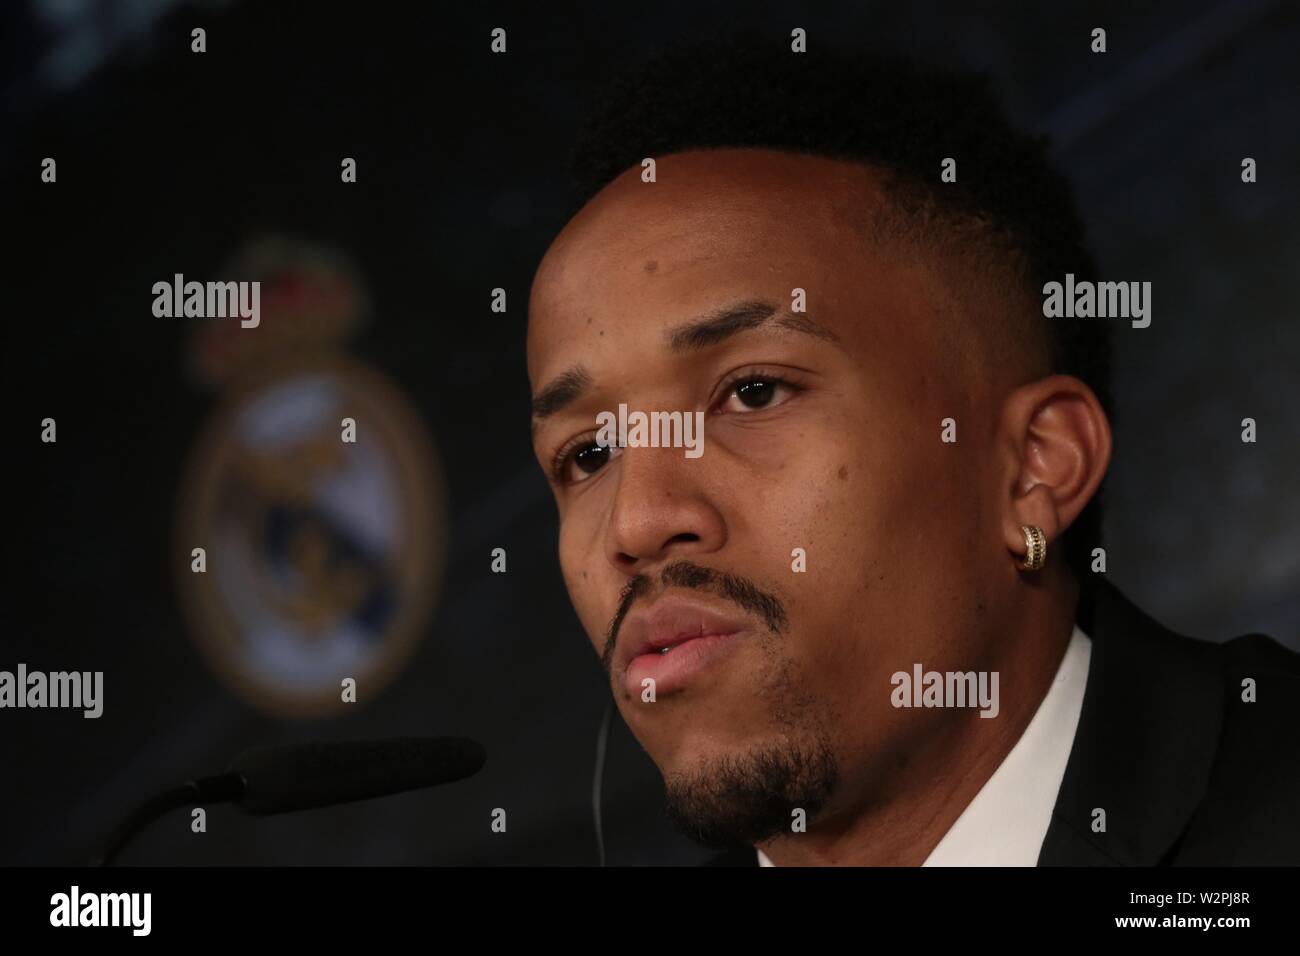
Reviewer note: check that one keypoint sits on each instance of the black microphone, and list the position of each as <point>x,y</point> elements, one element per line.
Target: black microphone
<point>270,780</point>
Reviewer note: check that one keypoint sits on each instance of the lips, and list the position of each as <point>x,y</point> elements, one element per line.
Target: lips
<point>672,641</point>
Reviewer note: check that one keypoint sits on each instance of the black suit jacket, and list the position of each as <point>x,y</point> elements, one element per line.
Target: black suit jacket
<point>1187,772</point>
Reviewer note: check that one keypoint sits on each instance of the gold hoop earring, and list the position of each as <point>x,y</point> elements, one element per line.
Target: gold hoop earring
<point>1035,547</point>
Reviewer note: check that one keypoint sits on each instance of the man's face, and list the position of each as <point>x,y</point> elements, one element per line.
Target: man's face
<point>826,534</point>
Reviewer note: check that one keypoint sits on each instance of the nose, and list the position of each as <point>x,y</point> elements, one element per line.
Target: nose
<point>662,510</point>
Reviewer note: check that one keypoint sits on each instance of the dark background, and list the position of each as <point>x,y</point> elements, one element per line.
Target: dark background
<point>169,161</point>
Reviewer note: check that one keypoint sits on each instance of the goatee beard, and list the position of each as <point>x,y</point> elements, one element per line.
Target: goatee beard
<point>744,799</point>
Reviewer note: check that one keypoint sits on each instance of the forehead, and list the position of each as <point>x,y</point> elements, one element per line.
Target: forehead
<point>716,226</point>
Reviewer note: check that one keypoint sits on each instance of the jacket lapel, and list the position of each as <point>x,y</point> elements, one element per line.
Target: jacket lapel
<point>1148,731</point>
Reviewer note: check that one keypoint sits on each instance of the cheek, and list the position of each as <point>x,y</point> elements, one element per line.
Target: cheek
<point>799,512</point>
<point>831,513</point>
<point>590,593</point>
<point>890,518</point>
<point>810,488</point>
<point>856,499</point>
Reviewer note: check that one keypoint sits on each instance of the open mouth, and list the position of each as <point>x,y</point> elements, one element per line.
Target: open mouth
<point>670,642</point>
<point>671,667</point>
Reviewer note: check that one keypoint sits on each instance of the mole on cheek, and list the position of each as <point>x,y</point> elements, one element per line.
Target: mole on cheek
<point>843,472</point>
<point>651,266</point>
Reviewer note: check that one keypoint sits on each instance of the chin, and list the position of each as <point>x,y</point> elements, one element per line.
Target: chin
<point>689,742</point>
<point>724,797</point>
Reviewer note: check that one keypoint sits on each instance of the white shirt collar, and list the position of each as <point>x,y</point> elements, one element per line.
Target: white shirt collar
<point>1004,825</point>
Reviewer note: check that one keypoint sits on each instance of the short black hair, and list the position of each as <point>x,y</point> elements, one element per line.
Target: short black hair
<point>890,114</point>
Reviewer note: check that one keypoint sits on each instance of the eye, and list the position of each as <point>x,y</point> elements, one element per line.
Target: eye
<point>581,459</point>
<point>756,392</point>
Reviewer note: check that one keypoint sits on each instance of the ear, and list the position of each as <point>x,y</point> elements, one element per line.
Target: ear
<point>1056,441</point>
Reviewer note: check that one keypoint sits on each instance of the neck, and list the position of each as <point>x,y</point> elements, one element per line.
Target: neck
<point>896,811</point>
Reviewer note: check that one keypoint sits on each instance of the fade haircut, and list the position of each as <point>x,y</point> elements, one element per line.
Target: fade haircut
<point>1010,208</point>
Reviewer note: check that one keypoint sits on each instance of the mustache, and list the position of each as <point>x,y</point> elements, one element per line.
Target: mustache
<point>684,574</point>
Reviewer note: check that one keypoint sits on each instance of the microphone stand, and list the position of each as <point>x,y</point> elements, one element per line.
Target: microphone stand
<point>219,789</point>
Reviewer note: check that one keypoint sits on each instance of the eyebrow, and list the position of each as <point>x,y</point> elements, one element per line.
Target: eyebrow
<point>741,317</point>
<point>563,389</point>
<point>716,327</point>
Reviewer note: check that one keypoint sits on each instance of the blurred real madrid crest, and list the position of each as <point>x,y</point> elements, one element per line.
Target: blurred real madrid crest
<point>323,545</point>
